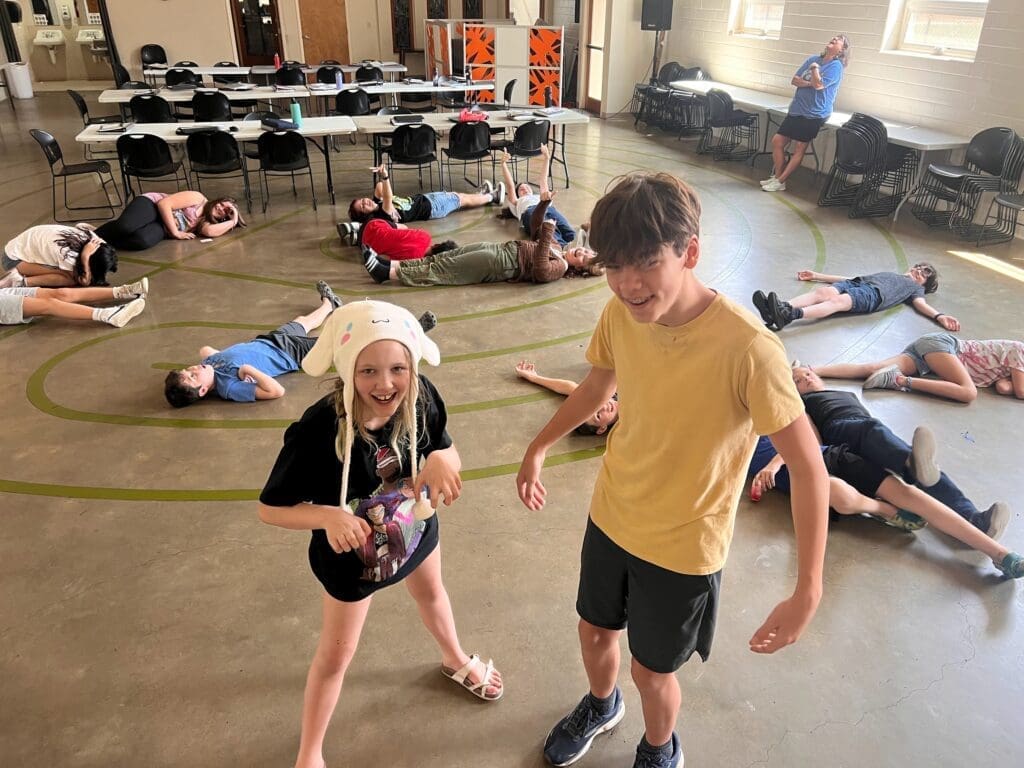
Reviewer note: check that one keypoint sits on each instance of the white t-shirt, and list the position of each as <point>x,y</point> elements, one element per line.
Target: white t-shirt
<point>989,360</point>
<point>522,204</point>
<point>38,245</point>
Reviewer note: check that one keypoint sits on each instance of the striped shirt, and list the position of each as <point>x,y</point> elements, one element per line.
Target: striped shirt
<point>989,360</point>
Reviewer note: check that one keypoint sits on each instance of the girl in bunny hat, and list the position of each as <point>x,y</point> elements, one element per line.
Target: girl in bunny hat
<point>345,448</point>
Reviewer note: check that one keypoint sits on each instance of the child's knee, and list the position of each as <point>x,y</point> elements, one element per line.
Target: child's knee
<point>333,658</point>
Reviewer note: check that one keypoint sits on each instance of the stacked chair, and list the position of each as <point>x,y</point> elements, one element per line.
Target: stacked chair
<point>687,112</point>
<point>651,99</point>
<point>885,171</point>
<point>738,127</point>
<point>989,163</point>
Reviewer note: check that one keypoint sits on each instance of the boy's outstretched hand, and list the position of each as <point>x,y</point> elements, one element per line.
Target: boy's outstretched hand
<point>785,623</point>
<point>805,274</point>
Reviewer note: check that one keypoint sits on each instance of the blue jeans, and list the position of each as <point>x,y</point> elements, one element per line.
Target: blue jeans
<point>564,233</point>
<point>874,441</point>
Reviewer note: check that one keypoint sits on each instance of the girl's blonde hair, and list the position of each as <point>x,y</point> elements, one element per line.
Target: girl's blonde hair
<point>406,428</point>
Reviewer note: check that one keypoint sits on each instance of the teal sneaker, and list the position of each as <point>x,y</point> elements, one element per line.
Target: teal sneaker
<point>1011,566</point>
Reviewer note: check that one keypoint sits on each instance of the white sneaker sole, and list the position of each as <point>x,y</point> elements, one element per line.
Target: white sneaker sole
<point>586,746</point>
<point>876,379</point>
<point>1000,519</point>
<point>922,457</point>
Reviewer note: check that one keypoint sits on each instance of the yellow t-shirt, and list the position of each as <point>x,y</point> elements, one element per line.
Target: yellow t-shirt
<point>691,401</point>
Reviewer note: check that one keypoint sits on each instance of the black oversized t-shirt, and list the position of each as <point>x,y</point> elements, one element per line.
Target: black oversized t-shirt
<point>308,470</point>
<point>830,405</point>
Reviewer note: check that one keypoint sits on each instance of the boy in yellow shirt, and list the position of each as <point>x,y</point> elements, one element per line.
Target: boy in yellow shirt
<point>698,379</point>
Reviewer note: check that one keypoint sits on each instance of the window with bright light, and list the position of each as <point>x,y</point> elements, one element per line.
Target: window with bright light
<point>754,17</point>
<point>941,27</point>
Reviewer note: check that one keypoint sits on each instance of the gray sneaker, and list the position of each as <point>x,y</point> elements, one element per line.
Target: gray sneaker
<point>498,198</point>
<point>326,293</point>
<point>428,321</point>
<point>487,188</point>
<point>119,317</point>
<point>922,458</point>
<point>885,378</point>
<point>995,519</point>
<point>127,291</point>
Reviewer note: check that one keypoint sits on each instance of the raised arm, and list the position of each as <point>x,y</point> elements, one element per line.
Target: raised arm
<point>510,186</point>
<point>948,322</point>
<point>809,500</point>
<point>383,190</point>
<point>267,387</point>
<point>528,372</point>
<point>593,391</point>
<point>545,151</point>
<point>216,229</point>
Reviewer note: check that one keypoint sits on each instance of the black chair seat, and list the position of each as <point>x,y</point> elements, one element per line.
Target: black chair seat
<point>227,165</point>
<point>154,172</point>
<point>94,166</point>
<point>467,155</point>
<point>950,172</point>
<point>1011,201</point>
<point>418,160</point>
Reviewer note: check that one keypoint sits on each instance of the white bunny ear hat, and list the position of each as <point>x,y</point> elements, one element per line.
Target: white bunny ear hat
<point>347,332</point>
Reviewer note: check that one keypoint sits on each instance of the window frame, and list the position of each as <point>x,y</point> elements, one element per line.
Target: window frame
<point>740,9</point>
<point>969,8</point>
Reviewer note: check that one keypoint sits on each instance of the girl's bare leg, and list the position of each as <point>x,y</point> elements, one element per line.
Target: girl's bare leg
<point>339,638</point>
<point>954,384</point>
<point>863,370</point>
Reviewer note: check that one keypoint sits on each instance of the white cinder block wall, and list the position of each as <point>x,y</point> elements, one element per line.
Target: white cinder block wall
<point>960,97</point>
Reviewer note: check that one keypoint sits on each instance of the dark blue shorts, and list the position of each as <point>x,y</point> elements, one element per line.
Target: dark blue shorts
<point>865,297</point>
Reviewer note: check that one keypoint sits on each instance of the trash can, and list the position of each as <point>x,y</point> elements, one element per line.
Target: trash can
<point>19,80</point>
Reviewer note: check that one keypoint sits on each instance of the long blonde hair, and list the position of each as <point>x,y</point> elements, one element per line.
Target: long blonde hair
<point>405,429</point>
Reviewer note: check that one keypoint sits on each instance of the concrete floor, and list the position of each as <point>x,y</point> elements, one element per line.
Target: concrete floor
<point>147,617</point>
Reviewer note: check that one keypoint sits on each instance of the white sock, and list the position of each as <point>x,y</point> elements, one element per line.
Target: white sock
<point>102,314</point>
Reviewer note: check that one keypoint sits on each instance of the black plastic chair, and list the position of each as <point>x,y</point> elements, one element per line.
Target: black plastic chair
<point>178,76</point>
<point>249,148</point>
<point>283,152</point>
<point>152,53</point>
<point>290,76</point>
<point>132,85</point>
<point>87,120</point>
<point>151,109</point>
<point>293,63</point>
<point>856,155</point>
<point>650,98</point>
<point>739,126</point>
<point>354,102</point>
<point>330,61</point>
<point>370,75</point>
<point>982,167</point>
<point>328,74</point>
<point>413,146</point>
<point>216,153</point>
<point>685,111</point>
<point>54,156</point>
<point>227,78</point>
<point>527,140</point>
<point>388,111</point>
<point>210,107</point>
<point>121,75</point>
<point>185,63</point>
<point>467,143</point>
<point>146,156</point>
<point>1004,229</point>
<point>239,107</point>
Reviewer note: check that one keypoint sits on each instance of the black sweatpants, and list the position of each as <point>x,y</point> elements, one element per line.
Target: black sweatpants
<point>137,228</point>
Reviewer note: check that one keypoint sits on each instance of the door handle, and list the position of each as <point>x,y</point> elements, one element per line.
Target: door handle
<point>595,47</point>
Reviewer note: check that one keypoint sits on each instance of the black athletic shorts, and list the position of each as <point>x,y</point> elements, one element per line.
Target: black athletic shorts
<point>667,615</point>
<point>841,462</point>
<point>801,128</point>
<point>292,339</point>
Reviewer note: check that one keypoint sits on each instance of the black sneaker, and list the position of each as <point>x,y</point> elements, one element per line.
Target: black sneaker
<point>761,304</point>
<point>378,266</point>
<point>570,739</point>
<point>649,757</point>
<point>326,293</point>
<point>994,520</point>
<point>781,311</point>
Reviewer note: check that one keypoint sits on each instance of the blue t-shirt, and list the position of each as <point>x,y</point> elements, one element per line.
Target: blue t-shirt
<point>810,102</point>
<point>260,354</point>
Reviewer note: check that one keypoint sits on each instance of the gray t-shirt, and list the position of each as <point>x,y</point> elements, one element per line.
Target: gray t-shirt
<point>893,288</point>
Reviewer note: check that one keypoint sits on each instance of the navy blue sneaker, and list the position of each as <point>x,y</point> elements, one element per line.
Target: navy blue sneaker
<point>570,739</point>
<point>650,757</point>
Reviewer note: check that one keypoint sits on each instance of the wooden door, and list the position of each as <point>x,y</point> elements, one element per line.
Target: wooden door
<point>594,57</point>
<point>324,31</point>
<point>257,31</point>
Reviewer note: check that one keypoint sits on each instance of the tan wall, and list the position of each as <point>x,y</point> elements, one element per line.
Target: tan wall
<point>627,54</point>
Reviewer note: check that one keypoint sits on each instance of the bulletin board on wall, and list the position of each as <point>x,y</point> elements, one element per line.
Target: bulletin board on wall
<point>500,51</point>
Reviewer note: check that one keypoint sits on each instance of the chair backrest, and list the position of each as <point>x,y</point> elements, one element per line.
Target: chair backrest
<point>185,63</point>
<point>987,150</point>
<point>1013,166</point>
<point>384,111</point>
<point>293,63</point>
<point>152,53</point>
<point>142,153</point>
<point>290,76</point>
<point>352,102</point>
<point>413,142</point>
<point>853,150</point>
<point>227,78</point>
<point>49,146</point>
<point>174,76</point>
<point>260,115</point>
<point>669,72</point>
<point>213,148</point>
<point>328,74</point>
<point>121,75</point>
<point>530,135</point>
<point>83,108</point>
<point>151,109</point>
<point>693,73</point>
<point>468,139</point>
<point>329,61</point>
<point>210,107</point>
<point>368,74</point>
<point>719,104</point>
<point>507,95</point>
<point>282,151</point>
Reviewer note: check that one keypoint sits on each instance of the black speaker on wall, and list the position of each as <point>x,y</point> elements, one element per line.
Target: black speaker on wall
<point>656,14</point>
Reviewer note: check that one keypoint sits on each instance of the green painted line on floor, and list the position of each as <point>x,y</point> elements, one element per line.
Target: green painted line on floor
<point>528,305</point>
<point>505,402</point>
<point>902,264</point>
<point>236,494</point>
<point>819,239</point>
<point>521,348</point>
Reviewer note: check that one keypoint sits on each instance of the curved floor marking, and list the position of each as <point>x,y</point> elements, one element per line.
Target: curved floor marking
<point>35,387</point>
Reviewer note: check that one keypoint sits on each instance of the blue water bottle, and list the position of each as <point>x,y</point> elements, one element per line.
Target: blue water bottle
<point>338,82</point>
<point>296,113</point>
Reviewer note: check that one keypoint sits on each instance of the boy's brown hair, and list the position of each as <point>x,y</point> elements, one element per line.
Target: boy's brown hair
<point>640,213</point>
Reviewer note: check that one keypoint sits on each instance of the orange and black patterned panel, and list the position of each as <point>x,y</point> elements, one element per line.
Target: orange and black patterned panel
<point>545,47</point>
<point>431,61</point>
<point>541,79</point>
<point>446,51</point>
<point>479,45</point>
<point>483,73</point>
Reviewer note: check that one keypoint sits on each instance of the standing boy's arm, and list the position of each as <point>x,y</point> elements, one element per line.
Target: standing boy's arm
<point>593,391</point>
<point>809,498</point>
<point>948,322</point>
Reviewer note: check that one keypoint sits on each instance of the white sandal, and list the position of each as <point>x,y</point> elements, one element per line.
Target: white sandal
<point>461,676</point>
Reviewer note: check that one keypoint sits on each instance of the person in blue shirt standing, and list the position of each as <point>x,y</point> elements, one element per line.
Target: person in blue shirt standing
<point>817,83</point>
